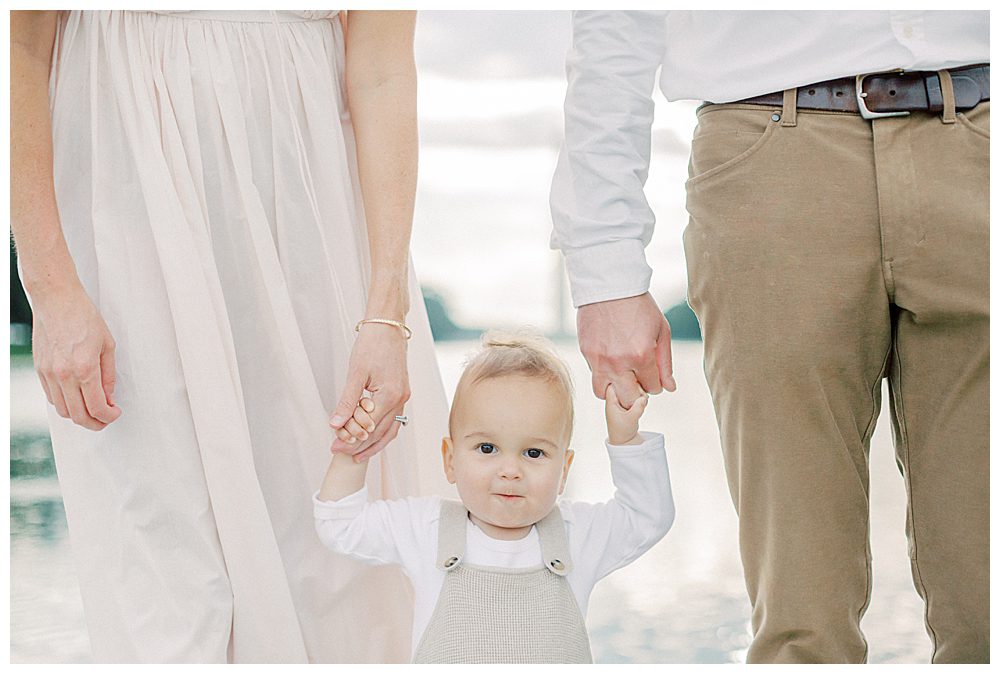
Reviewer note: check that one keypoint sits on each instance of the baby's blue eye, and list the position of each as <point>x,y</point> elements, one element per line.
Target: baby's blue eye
<point>533,453</point>
<point>486,448</point>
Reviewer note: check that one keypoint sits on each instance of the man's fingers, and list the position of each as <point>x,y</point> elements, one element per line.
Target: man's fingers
<point>600,382</point>
<point>97,403</point>
<point>664,358</point>
<point>626,389</point>
<point>348,401</point>
<point>648,376</point>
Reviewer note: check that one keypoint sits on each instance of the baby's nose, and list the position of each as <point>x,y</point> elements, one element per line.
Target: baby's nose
<point>510,470</point>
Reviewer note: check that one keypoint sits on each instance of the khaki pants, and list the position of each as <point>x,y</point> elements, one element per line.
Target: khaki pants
<point>824,253</point>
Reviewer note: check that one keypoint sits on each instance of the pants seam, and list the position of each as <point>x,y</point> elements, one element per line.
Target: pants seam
<point>905,450</point>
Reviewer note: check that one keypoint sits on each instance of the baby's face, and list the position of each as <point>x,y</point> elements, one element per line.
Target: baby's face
<point>508,452</point>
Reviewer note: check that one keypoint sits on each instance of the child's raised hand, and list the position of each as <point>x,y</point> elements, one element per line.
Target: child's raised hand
<point>359,425</point>
<point>623,424</point>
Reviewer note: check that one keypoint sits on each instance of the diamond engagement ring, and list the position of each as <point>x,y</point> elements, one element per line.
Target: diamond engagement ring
<point>402,418</point>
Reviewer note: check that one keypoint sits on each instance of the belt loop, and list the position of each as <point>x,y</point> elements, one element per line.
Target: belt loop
<point>948,96</point>
<point>788,107</point>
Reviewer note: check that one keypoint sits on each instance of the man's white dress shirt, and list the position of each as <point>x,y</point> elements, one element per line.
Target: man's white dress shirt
<point>601,219</point>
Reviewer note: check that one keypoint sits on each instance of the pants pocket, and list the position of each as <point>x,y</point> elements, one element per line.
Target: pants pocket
<point>726,137</point>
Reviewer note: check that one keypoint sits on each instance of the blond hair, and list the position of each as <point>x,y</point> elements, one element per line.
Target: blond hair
<point>523,352</point>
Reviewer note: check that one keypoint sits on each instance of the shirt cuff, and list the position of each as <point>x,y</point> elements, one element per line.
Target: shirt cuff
<point>607,271</point>
<point>346,508</point>
<point>651,442</point>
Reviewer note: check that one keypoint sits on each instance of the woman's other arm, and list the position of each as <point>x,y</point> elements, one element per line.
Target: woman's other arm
<point>72,347</point>
<point>382,96</point>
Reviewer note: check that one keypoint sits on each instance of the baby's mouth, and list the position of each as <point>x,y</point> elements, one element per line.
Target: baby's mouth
<point>509,497</point>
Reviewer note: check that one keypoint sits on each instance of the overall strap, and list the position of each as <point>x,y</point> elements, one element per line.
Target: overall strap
<point>555,547</point>
<point>451,534</point>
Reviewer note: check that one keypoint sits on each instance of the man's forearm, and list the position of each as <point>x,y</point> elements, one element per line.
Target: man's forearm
<point>601,220</point>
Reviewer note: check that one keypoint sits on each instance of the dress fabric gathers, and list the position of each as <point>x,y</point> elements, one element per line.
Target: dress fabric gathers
<point>206,179</point>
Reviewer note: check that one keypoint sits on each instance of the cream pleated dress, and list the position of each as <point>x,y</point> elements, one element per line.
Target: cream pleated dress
<point>206,180</point>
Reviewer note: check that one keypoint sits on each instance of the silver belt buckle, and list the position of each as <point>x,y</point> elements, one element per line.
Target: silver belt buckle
<point>861,96</point>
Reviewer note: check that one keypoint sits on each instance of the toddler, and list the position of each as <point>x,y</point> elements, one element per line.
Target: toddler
<point>505,574</point>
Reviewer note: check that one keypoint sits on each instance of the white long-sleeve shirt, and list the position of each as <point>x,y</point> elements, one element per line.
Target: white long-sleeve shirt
<point>602,537</point>
<point>602,222</point>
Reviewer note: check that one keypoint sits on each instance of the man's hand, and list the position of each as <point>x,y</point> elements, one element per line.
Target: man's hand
<point>627,344</point>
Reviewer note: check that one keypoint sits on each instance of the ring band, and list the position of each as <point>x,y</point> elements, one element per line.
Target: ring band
<point>402,418</point>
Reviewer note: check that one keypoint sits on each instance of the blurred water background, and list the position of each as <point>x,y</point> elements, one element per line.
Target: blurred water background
<point>491,89</point>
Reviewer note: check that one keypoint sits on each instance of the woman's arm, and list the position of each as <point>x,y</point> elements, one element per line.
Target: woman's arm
<point>72,347</point>
<point>382,96</point>
<point>44,257</point>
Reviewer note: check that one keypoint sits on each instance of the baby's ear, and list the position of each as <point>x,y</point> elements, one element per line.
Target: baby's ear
<point>569,462</point>
<point>448,459</point>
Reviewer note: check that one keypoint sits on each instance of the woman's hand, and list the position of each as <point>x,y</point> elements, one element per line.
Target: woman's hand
<point>381,83</point>
<point>73,349</point>
<point>378,365</point>
<point>74,357</point>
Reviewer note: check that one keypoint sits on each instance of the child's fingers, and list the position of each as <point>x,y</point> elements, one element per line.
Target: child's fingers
<point>367,404</point>
<point>639,406</point>
<point>356,429</point>
<point>611,398</point>
<point>345,436</point>
<point>363,418</point>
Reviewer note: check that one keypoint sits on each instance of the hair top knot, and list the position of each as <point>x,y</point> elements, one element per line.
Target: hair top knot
<point>522,352</point>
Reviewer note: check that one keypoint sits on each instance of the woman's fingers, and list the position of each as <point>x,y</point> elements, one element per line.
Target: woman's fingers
<point>386,398</point>
<point>58,401</point>
<point>108,371</point>
<point>96,401</point>
<point>349,400</point>
<point>363,418</point>
<point>355,429</point>
<point>78,409</point>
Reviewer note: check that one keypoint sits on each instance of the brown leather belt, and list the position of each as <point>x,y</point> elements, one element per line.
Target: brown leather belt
<point>889,92</point>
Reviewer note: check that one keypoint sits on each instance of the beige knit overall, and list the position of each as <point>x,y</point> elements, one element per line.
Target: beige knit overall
<point>495,615</point>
